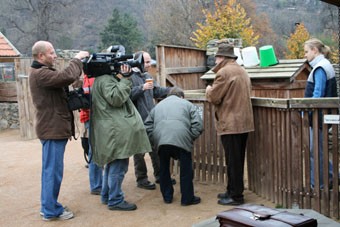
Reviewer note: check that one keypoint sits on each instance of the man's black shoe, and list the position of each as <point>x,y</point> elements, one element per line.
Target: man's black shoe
<point>146,185</point>
<point>230,201</point>
<point>124,206</point>
<point>168,201</point>
<point>223,195</point>
<point>173,181</point>
<point>195,200</point>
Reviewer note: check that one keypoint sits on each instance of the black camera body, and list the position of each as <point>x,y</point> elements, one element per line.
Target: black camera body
<point>109,63</point>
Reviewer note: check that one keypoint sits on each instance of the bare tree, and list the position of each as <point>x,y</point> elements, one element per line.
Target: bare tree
<point>31,20</point>
<point>173,21</point>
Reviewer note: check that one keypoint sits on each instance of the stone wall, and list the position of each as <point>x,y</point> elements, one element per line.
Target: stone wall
<point>9,116</point>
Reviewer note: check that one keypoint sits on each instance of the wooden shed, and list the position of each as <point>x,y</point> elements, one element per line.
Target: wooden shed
<point>284,80</point>
<point>8,90</point>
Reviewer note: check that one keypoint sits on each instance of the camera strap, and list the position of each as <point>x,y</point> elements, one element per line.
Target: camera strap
<point>87,155</point>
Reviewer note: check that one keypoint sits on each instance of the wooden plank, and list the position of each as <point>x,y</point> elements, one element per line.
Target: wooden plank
<point>161,66</point>
<point>268,143</point>
<point>296,157</point>
<point>208,145</point>
<point>8,92</point>
<point>317,196</point>
<point>182,47</point>
<point>269,85</point>
<point>306,149</point>
<point>283,160</point>
<point>271,70</point>
<point>275,156</point>
<point>270,102</point>
<point>257,156</point>
<point>185,70</point>
<point>210,154</point>
<point>172,81</point>
<point>325,193</point>
<point>271,139</point>
<point>260,160</point>
<point>250,161</point>
<point>335,161</point>
<point>300,103</point>
<point>279,161</point>
<point>273,75</point>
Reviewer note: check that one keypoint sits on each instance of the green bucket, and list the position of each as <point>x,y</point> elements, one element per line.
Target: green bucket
<point>267,56</point>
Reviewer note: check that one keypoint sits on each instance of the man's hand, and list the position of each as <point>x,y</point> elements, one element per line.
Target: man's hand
<point>125,71</point>
<point>148,86</point>
<point>82,54</point>
<point>208,88</point>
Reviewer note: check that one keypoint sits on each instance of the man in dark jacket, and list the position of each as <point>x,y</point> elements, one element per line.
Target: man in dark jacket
<point>172,131</point>
<point>142,95</point>
<point>53,121</point>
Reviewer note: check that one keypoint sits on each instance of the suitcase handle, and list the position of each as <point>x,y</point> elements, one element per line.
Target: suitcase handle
<point>261,216</point>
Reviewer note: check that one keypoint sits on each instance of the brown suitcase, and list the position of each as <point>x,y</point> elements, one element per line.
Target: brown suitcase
<point>251,215</point>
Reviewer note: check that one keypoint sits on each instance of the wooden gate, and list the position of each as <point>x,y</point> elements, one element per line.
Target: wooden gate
<point>181,66</point>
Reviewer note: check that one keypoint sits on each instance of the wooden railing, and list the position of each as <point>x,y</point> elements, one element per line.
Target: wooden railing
<point>278,152</point>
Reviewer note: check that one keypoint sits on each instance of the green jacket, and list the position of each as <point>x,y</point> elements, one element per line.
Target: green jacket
<point>117,130</point>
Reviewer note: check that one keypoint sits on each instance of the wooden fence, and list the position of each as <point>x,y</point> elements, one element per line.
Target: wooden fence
<point>279,154</point>
<point>278,157</point>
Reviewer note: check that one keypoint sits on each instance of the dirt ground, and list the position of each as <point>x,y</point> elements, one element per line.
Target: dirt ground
<point>20,170</point>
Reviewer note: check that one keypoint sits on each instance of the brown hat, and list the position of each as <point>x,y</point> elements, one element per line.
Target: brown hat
<point>226,50</point>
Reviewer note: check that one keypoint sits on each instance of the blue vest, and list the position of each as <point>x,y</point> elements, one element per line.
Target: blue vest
<point>331,89</point>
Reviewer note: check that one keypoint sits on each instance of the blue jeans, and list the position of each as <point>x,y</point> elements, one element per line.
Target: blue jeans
<point>114,173</point>
<point>95,172</point>
<point>330,166</point>
<point>51,176</point>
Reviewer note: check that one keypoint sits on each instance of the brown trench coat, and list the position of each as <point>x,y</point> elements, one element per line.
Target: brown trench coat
<point>230,94</point>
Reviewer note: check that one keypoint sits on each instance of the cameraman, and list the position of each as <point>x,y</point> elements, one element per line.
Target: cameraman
<point>53,122</point>
<point>142,95</point>
<point>117,132</point>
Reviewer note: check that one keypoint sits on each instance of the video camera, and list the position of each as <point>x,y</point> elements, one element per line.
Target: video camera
<point>109,63</point>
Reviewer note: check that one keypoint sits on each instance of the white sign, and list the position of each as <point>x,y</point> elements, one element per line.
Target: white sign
<point>331,119</point>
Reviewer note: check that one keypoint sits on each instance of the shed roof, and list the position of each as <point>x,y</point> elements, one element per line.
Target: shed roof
<point>286,69</point>
<point>6,48</point>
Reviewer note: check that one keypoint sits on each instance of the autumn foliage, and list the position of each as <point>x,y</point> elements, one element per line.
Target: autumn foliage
<point>228,21</point>
<point>295,43</point>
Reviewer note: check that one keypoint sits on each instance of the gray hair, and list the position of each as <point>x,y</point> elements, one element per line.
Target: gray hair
<point>176,91</point>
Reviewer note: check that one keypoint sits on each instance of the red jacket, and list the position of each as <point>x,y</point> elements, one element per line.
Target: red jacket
<point>84,114</point>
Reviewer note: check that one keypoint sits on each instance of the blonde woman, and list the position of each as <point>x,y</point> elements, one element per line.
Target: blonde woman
<point>321,82</point>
